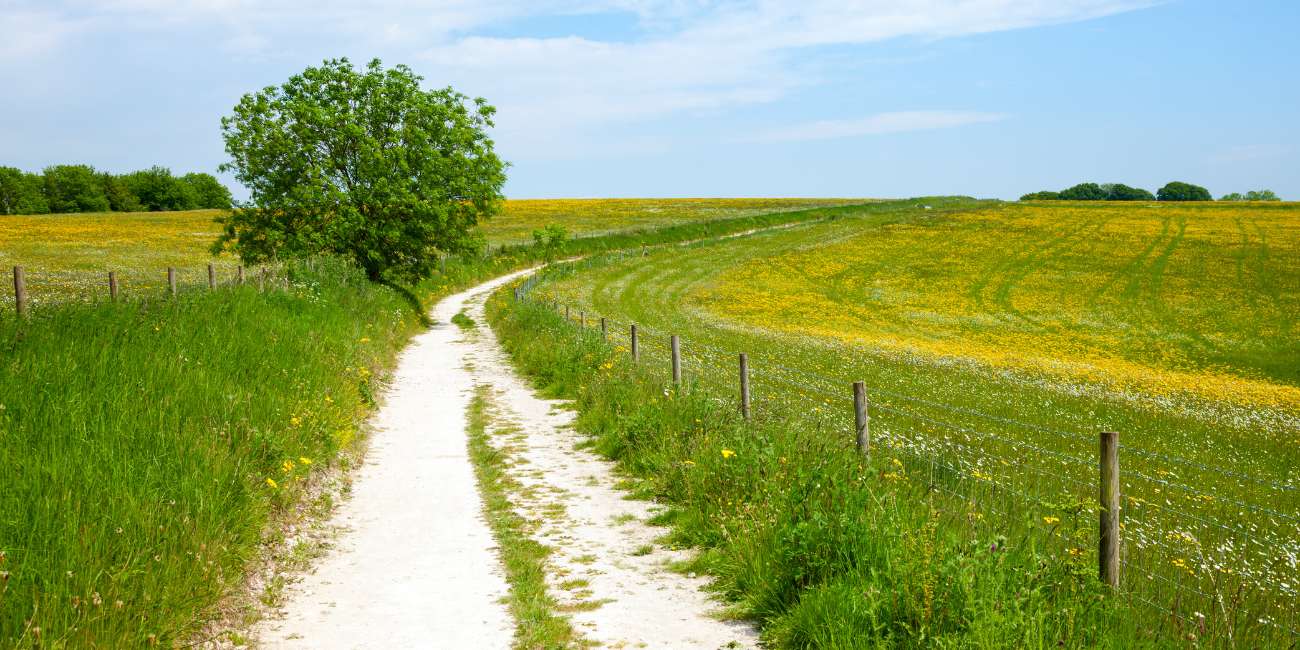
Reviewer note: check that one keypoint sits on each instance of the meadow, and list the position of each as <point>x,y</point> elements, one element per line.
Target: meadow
<point>67,256</point>
<point>152,446</point>
<point>996,342</point>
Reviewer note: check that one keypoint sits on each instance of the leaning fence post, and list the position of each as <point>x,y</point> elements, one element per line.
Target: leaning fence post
<point>604,329</point>
<point>261,279</point>
<point>860,421</point>
<point>112,286</point>
<point>171,280</point>
<point>239,274</point>
<point>212,277</point>
<point>744,385</point>
<point>20,292</point>
<point>636,348</point>
<point>677,359</point>
<point>1108,547</point>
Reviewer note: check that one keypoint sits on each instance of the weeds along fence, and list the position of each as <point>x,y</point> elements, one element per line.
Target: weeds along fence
<point>1213,565</point>
<point>31,291</point>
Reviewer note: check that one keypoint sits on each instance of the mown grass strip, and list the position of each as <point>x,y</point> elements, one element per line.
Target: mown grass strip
<point>537,625</point>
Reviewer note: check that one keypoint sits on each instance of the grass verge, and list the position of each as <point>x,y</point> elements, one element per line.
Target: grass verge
<point>536,624</point>
<point>823,548</point>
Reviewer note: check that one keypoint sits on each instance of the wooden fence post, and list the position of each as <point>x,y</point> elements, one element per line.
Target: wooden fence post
<point>604,329</point>
<point>239,274</point>
<point>1108,547</point>
<point>744,385</point>
<point>566,314</point>
<point>860,421</point>
<point>261,280</point>
<point>112,286</point>
<point>636,349</point>
<point>20,292</point>
<point>171,280</point>
<point>677,359</point>
<point>582,319</point>
<point>212,277</point>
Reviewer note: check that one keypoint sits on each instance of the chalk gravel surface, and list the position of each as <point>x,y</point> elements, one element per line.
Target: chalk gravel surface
<point>416,564</point>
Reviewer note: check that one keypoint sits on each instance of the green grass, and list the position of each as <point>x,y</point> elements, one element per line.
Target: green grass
<point>140,442</point>
<point>932,307</point>
<point>537,626</point>
<point>136,439</point>
<point>821,548</point>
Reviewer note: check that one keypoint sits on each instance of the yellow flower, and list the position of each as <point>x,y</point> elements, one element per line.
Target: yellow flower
<point>364,339</point>
<point>271,483</point>
<point>304,460</point>
<point>689,463</point>
<point>1051,520</point>
<point>287,466</point>
<point>727,453</point>
<point>294,421</point>
<point>1075,552</point>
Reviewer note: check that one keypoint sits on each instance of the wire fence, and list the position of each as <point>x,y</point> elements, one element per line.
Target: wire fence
<point>1201,561</point>
<point>34,290</point>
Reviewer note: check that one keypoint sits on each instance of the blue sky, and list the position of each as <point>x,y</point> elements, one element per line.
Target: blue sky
<point>991,98</point>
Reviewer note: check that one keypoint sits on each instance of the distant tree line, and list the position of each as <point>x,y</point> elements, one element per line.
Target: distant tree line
<point>1174,191</point>
<point>81,188</point>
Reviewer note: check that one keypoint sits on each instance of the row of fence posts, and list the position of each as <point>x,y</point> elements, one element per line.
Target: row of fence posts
<point>21,305</point>
<point>1108,551</point>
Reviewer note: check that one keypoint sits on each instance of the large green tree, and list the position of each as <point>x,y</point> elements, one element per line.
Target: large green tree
<point>1180,191</point>
<point>159,190</point>
<point>21,192</point>
<point>207,191</point>
<point>1083,192</point>
<point>362,163</point>
<point>74,188</point>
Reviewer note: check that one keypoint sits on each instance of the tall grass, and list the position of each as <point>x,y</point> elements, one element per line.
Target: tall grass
<point>823,548</point>
<point>145,445</point>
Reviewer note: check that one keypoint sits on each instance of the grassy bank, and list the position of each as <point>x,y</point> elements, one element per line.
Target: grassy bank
<point>145,445</point>
<point>824,549</point>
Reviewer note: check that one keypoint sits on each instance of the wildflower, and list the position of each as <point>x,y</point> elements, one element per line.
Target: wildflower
<point>1075,552</point>
<point>689,463</point>
<point>329,400</point>
<point>727,453</point>
<point>1049,520</point>
<point>304,460</point>
<point>364,339</point>
<point>295,421</point>
<point>286,466</point>
<point>896,462</point>
<point>270,482</point>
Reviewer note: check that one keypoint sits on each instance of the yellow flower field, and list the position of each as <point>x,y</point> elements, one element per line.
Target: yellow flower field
<point>67,256</point>
<point>1162,299</point>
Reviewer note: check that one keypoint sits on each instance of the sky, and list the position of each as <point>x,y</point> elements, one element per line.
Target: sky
<point>655,98</point>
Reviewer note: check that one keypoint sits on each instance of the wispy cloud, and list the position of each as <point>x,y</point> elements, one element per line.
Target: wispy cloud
<point>878,124</point>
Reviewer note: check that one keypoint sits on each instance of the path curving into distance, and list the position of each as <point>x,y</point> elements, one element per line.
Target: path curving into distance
<point>416,565</point>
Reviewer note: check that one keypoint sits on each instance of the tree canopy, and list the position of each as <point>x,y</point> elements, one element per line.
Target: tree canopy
<point>1180,191</point>
<point>1253,195</point>
<point>1093,192</point>
<point>362,163</point>
<point>81,188</point>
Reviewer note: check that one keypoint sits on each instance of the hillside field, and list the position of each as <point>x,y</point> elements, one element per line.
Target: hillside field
<point>66,256</point>
<point>997,341</point>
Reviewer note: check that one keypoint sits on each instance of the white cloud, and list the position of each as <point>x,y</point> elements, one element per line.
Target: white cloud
<point>878,124</point>
<point>684,57</point>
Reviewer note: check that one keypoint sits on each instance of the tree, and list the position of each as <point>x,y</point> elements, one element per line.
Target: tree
<point>74,188</point>
<point>1122,192</point>
<point>363,164</point>
<point>1084,192</point>
<point>550,240</point>
<point>1234,196</point>
<point>208,192</point>
<point>1180,191</point>
<point>1261,195</point>
<point>158,190</point>
<point>119,194</point>
<point>1041,196</point>
<point>21,192</point>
